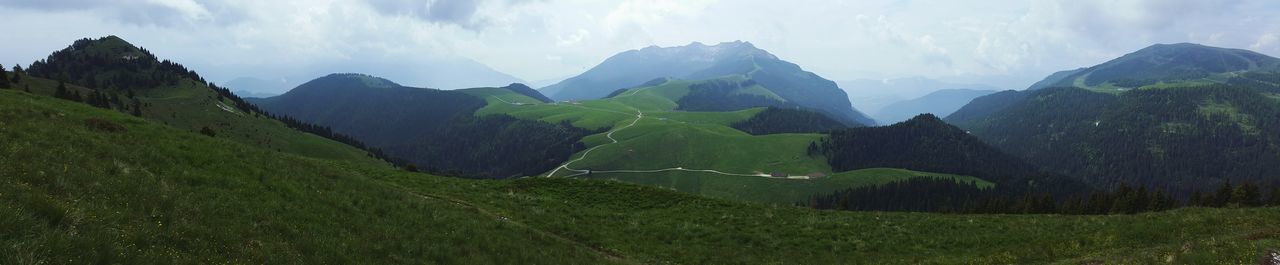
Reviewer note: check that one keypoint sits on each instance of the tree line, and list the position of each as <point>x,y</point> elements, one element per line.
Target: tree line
<point>780,120</point>
<point>929,194</point>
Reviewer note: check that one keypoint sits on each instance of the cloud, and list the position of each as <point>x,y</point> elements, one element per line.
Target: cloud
<point>136,12</point>
<point>538,39</point>
<point>463,13</point>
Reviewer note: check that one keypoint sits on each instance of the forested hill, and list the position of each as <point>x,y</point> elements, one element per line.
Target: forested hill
<point>375,110</point>
<point>926,143</point>
<point>781,120</point>
<point>433,130</point>
<point>1180,138</point>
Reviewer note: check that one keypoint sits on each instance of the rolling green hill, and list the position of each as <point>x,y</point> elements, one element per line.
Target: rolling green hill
<point>638,135</point>
<point>148,193</point>
<point>696,152</point>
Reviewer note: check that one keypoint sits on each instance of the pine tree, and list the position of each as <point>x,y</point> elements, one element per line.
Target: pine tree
<point>17,73</point>
<point>1160,201</point>
<point>1197,199</point>
<point>61,91</point>
<point>137,108</point>
<point>4,78</point>
<point>1275,197</point>
<point>1223,196</point>
<point>1246,195</point>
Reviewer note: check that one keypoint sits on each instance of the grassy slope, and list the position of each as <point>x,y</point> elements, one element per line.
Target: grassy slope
<point>666,138</point>
<point>191,106</point>
<point>154,194</point>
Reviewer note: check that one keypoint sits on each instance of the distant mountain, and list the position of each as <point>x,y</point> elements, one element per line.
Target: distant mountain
<point>433,129</point>
<point>1203,117</point>
<point>1054,78</point>
<point>257,86</point>
<point>248,94</point>
<point>872,95</point>
<point>983,106</point>
<point>700,62</point>
<point>375,110</point>
<point>941,102</point>
<point>451,74</point>
<point>1164,63</point>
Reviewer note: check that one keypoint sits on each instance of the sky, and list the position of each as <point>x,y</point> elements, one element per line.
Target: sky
<point>1009,44</point>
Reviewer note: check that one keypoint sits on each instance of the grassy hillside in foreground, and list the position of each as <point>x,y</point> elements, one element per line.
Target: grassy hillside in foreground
<point>153,194</point>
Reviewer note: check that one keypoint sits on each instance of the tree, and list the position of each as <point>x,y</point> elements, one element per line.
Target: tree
<point>1161,201</point>
<point>1275,197</point>
<point>1222,196</point>
<point>137,108</point>
<point>61,91</point>
<point>4,78</point>
<point>1246,195</point>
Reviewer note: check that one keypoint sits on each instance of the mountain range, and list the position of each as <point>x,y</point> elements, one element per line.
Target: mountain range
<point>872,95</point>
<point>113,155</point>
<point>942,103</point>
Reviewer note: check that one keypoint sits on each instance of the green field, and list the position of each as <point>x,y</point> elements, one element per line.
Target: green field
<point>154,194</point>
<point>666,138</point>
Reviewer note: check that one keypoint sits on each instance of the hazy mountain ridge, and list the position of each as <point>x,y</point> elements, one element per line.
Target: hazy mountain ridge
<point>941,103</point>
<point>872,95</point>
<point>1166,63</point>
<point>697,61</point>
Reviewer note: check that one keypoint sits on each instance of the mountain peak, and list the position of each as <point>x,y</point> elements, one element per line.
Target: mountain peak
<point>1157,63</point>
<point>367,80</point>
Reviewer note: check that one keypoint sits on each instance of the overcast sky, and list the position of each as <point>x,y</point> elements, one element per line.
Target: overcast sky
<point>1008,43</point>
